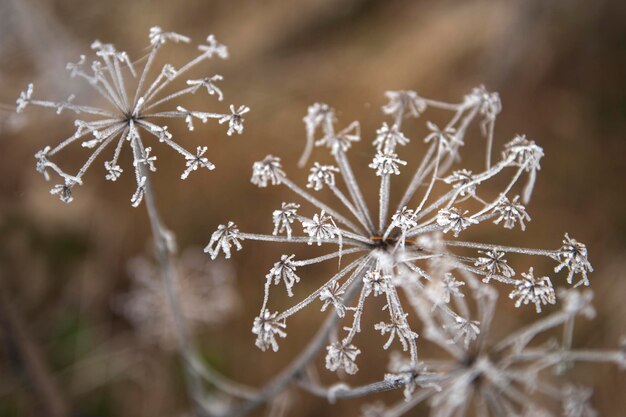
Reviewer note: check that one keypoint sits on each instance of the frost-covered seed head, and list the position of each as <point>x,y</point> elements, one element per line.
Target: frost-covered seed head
<point>493,263</point>
<point>375,281</point>
<point>267,327</point>
<point>234,119</point>
<point>284,218</point>
<point>533,290</point>
<point>223,239</point>
<point>524,153</point>
<point>135,108</point>
<point>284,270</point>
<point>269,170</point>
<point>387,138</point>
<point>321,227</point>
<point>342,357</point>
<point>573,256</point>
<point>386,164</point>
<point>453,220</point>
<point>321,175</point>
<point>462,179</point>
<point>511,212</point>
<point>403,104</point>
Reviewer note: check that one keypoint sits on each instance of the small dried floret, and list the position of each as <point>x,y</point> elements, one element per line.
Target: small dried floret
<point>404,219</point>
<point>321,227</point>
<point>447,138</point>
<point>24,98</point>
<point>573,256</point>
<point>197,161</point>
<point>490,104</point>
<point>453,219</point>
<point>284,218</point>
<point>494,264</point>
<point>533,290</point>
<point>577,402</point>
<point>209,84</point>
<point>114,171</point>
<point>267,327</point>
<point>332,294</point>
<point>214,48</point>
<point>386,163</point>
<point>42,162</point>
<point>342,140</point>
<point>234,119</point>
<point>411,374</point>
<point>377,282</point>
<point>342,356</point>
<point>146,159</point>
<point>450,287</point>
<point>397,327</point>
<point>462,179</point>
<point>321,175</point>
<point>511,212</point>
<point>404,104</point>
<point>387,138</point>
<point>158,37</point>
<point>284,270</point>
<point>267,170</point>
<point>64,191</point>
<point>223,239</point>
<point>465,329</point>
<point>524,153</point>
<point>318,114</point>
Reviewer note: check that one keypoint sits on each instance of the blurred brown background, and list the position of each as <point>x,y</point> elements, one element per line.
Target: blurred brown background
<point>560,69</point>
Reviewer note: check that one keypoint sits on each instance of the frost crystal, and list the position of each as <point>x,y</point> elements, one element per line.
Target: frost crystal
<point>533,290</point>
<point>135,101</point>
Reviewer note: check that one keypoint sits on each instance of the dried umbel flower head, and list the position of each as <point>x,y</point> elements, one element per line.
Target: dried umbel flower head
<point>206,290</point>
<point>418,237</point>
<point>489,375</point>
<point>135,98</point>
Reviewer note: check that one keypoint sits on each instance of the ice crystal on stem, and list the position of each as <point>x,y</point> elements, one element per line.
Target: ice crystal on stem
<point>136,109</point>
<point>417,240</point>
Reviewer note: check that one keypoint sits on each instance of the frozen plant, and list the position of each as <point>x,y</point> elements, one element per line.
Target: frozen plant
<point>206,292</point>
<point>421,231</point>
<point>139,103</point>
